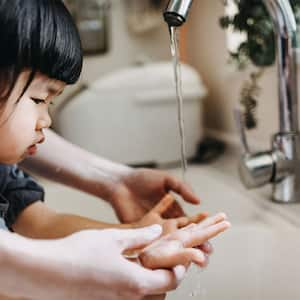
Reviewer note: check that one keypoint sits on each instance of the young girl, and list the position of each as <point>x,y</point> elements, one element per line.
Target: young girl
<point>40,53</point>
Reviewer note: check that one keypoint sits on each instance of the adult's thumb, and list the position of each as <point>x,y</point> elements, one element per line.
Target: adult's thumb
<point>130,239</point>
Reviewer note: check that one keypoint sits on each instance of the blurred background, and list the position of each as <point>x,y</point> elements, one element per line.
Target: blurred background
<point>122,40</point>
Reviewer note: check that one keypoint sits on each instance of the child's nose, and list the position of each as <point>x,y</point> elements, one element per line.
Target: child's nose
<point>44,121</point>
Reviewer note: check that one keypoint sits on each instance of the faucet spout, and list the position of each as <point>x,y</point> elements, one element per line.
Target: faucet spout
<point>176,12</point>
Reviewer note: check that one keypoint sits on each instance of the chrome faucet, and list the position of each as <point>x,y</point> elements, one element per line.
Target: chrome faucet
<point>176,12</point>
<point>280,165</point>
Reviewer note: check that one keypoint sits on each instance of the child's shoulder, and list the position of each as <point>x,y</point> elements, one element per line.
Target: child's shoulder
<point>5,171</point>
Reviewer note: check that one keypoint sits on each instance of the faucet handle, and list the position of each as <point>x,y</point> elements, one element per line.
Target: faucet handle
<point>255,169</point>
<point>238,117</point>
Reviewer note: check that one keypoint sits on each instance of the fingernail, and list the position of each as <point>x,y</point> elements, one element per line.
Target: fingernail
<point>206,261</point>
<point>179,272</point>
<point>228,224</point>
<point>223,215</point>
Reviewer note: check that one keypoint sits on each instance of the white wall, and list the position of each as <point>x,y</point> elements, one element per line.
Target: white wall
<point>126,47</point>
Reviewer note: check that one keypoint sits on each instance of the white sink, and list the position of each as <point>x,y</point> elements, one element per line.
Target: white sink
<point>249,263</point>
<point>219,192</point>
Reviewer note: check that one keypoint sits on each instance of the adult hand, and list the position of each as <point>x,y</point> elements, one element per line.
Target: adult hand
<point>93,260</point>
<point>140,189</point>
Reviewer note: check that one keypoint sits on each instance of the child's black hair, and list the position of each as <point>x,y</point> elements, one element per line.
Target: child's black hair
<point>39,35</point>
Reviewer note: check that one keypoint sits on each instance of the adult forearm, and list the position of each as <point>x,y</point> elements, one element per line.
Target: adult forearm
<point>66,163</point>
<point>27,269</point>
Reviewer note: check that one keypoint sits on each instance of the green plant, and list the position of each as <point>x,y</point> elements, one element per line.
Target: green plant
<point>258,49</point>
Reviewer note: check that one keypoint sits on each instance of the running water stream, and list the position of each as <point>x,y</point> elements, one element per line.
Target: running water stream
<point>199,291</point>
<point>174,36</point>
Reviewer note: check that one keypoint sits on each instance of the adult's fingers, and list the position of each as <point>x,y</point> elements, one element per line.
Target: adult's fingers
<point>179,272</point>
<point>128,239</point>
<point>156,282</point>
<point>181,188</point>
<point>164,204</point>
<point>174,211</point>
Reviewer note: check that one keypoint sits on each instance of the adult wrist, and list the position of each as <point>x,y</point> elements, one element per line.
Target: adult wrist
<point>107,179</point>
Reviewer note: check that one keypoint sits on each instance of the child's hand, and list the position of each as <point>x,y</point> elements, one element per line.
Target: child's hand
<point>177,248</point>
<point>155,216</point>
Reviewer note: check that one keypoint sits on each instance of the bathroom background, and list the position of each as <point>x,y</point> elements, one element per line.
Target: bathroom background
<point>134,33</point>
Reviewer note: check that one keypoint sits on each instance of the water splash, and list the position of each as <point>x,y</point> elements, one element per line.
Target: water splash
<point>199,291</point>
<point>192,286</point>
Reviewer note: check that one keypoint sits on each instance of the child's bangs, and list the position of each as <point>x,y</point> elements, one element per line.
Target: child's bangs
<point>50,43</point>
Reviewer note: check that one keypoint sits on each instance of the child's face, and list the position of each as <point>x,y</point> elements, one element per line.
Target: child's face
<point>22,122</point>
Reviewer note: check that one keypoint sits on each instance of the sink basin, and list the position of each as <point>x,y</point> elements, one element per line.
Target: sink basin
<point>219,192</point>
<point>249,263</point>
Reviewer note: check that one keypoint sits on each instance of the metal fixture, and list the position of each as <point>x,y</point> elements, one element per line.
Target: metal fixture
<point>93,19</point>
<point>176,12</point>
<point>280,165</point>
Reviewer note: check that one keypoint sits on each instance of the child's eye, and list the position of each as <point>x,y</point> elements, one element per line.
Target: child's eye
<point>38,101</point>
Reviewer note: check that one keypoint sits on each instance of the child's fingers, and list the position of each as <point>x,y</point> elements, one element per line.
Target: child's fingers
<point>183,256</point>
<point>212,220</point>
<point>197,235</point>
<point>198,218</point>
<point>164,204</point>
<point>196,256</point>
<point>174,224</point>
<point>206,248</point>
<point>182,222</point>
<point>170,226</point>
<point>187,256</point>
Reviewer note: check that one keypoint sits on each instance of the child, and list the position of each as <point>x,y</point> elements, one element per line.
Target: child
<point>40,54</point>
